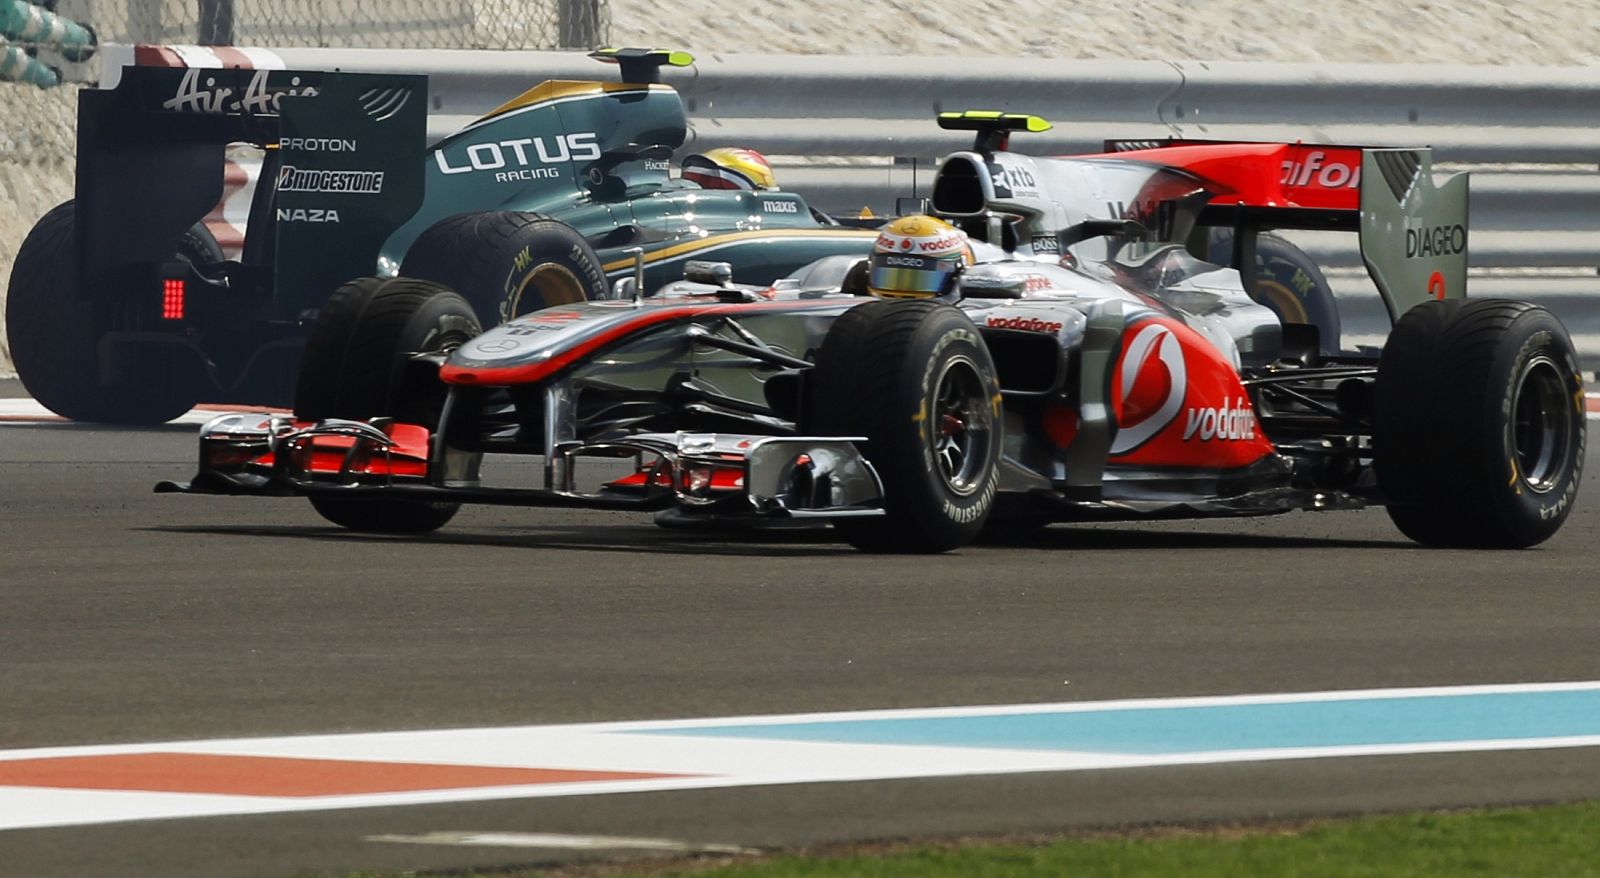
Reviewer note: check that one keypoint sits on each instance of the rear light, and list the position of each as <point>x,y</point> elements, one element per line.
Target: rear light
<point>172,299</point>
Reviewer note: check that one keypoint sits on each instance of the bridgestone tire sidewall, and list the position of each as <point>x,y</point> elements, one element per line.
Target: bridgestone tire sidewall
<point>954,342</point>
<point>552,250</point>
<point>1444,424</point>
<point>868,390</point>
<point>1534,517</point>
<point>508,263</point>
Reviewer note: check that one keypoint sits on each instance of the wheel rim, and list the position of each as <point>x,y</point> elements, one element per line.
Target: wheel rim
<point>1282,300</point>
<point>555,284</point>
<point>960,426</point>
<point>1541,425</point>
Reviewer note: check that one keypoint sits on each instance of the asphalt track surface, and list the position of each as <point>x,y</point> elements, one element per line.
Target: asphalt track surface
<point>133,617</point>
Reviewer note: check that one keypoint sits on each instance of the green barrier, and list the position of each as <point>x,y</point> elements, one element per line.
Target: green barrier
<point>17,65</point>
<point>25,23</point>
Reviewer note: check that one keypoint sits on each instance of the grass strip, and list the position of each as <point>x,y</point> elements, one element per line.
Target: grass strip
<point>1546,842</point>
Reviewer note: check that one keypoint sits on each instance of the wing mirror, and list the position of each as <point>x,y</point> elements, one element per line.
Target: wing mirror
<point>719,275</point>
<point>704,271</point>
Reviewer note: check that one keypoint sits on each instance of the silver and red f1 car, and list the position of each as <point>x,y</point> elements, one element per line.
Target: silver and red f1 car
<point>1090,365</point>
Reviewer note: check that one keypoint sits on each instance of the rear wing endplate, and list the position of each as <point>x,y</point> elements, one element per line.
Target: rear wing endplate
<point>1413,228</point>
<point>343,170</point>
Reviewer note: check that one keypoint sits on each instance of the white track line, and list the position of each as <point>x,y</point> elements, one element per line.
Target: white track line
<point>63,786</point>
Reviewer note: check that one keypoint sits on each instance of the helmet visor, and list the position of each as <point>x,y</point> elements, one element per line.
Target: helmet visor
<point>905,275</point>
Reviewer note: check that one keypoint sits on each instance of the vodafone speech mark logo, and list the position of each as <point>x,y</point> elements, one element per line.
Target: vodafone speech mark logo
<point>1151,386</point>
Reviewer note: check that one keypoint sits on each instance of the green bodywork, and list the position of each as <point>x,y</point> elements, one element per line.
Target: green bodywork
<point>596,156</point>
<point>347,184</point>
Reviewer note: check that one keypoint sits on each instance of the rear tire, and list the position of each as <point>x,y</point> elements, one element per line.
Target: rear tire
<point>55,335</point>
<point>508,263</point>
<point>357,365</point>
<point>1479,424</point>
<point>916,380</point>
<point>1289,282</point>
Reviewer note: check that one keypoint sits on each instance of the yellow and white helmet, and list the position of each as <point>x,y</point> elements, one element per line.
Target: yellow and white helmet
<point>917,257</point>
<point>729,167</point>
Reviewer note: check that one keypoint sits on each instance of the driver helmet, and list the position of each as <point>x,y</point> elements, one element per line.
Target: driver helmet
<point>917,257</point>
<point>729,167</point>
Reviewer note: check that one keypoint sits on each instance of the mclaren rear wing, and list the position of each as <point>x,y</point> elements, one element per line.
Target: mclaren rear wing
<point>343,169</point>
<point>1412,226</point>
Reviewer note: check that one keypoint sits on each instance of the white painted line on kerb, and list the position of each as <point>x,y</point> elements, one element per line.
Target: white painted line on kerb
<point>28,411</point>
<point>65,786</point>
<point>550,841</point>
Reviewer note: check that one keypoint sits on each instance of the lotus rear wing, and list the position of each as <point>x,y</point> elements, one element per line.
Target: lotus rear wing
<point>1412,226</point>
<point>343,169</point>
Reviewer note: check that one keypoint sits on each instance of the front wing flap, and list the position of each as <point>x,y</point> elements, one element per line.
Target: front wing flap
<point>718,474</point>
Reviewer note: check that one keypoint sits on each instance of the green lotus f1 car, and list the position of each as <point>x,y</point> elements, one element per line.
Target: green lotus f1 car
<point>123,308</point>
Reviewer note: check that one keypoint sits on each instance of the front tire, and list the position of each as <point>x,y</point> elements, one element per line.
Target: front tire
<point>1479,424</point>
<point>357,365</point>
<point>916,380</point>
<point>508,263</point>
